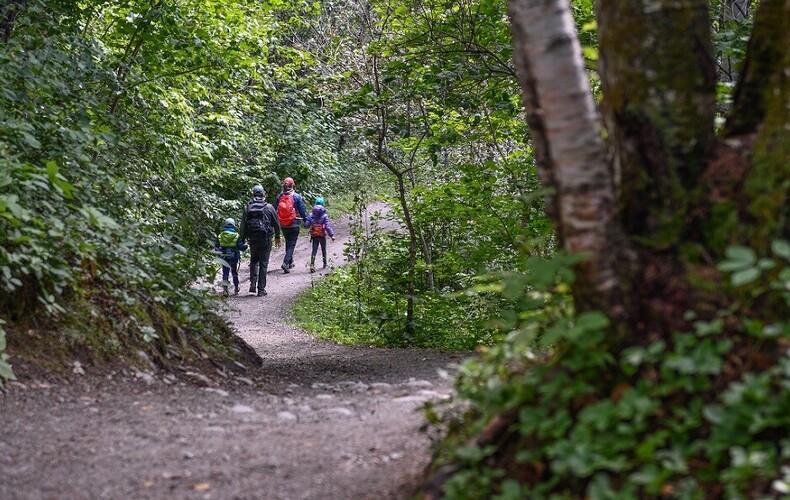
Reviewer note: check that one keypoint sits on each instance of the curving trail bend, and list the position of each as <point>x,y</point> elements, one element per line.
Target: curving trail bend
<point>316,421</point>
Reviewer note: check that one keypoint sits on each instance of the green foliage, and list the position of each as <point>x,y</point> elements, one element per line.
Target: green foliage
<point>364,303</point>
<point>731,24</point>
<point>671,417</point>
<point>765,285</point>
<point>127,132</point>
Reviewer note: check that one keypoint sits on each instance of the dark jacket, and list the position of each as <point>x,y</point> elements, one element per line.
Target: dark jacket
<point>301,213</point>
<point>269,213</point>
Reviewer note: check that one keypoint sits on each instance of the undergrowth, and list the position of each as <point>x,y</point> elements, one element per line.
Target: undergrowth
<point>331,310</point>
<point>454,299</point>
<point>559,411</point>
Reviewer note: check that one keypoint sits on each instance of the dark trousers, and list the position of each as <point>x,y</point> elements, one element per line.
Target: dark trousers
<point>232,270</point>
<point>259,262</point>
<point>291,235</point>
<point>318,241</point>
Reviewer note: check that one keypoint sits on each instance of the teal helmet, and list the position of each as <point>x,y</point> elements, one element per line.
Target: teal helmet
<point>320,201</point>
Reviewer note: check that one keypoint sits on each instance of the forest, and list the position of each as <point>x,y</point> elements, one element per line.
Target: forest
<point>596,207</point>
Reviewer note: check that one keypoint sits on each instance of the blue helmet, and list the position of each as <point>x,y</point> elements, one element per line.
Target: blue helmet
<point>320,201</point>
<point>257,190</point>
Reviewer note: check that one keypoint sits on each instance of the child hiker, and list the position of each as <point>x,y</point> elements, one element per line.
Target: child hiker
<point>318,224</point>
<point>229,247</point>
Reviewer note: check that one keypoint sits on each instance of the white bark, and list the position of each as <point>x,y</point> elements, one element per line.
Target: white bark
<point>565,124</point>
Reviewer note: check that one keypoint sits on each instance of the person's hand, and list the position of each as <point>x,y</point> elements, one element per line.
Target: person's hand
<point>277,243</point>
<point>333,238</point>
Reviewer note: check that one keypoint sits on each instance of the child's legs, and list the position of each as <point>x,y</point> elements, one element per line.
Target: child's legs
<point>234,271</point>
<point>315,247</point>
<point>225,273</point>
<point>323,248</point>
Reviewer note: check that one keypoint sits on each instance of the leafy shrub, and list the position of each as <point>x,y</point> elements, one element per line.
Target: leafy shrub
<point>705,412</point>
<point>92,205</point>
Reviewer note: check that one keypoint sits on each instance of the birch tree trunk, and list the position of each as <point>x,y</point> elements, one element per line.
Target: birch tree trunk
<point>570,152</point>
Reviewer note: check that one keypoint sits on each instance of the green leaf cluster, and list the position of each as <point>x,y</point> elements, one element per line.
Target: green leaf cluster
<point>675,417</point>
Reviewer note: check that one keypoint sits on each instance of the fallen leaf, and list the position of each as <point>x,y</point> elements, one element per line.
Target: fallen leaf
<point>201,487</point>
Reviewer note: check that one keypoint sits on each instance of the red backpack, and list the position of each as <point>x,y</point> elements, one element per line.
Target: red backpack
<point>286,212</point>
<point>317,230</point>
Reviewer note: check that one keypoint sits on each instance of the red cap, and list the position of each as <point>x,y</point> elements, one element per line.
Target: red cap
<point>288,182</point>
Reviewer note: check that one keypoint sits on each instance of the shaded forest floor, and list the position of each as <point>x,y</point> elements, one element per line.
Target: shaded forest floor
<point>316,420</point>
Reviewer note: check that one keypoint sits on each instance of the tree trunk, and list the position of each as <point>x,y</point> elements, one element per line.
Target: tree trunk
<point>569,149</point>
<point>10,10</point>
<point>410,331</point>
<point>759,130</point>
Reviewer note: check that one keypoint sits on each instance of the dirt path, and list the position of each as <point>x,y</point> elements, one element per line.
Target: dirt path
<point>322,421</point>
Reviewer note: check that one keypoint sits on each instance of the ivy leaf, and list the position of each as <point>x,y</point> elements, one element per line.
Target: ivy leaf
<point>593,320</point>
<point>781,248</point>
<point>32,141</point>
<point>729,266</point>
<point>6,372</point>
<point>746,276</point>
<point>740,254</point>
<point>714,414</point>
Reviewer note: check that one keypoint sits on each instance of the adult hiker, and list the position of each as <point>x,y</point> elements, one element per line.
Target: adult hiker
<point>291,213</point>
<point>258,224</point>
<point>320,227</point>
<point>228,246</point>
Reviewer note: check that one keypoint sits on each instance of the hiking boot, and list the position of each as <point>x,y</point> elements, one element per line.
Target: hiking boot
<point>262,293</point>
<point>236,290</point>
<point>285,268</point>
<point>252,288</point>
<point>291,265</point>
<point>225,291</point>
<point>324,264</point>
<point>312,268</point>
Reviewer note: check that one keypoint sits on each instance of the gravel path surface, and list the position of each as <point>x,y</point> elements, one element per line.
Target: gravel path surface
<point>318,421</point>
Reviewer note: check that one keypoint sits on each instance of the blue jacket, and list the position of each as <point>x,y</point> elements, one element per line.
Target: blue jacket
<point>319,216</point>
<point>229,253</point>
<point>301,213</point>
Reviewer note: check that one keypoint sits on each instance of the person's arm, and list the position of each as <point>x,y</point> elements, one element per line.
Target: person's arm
<point>240,245</point>
<point>300,206</point>
<point>328,226</point>
<point>275,223</point>
<point>243,225</point>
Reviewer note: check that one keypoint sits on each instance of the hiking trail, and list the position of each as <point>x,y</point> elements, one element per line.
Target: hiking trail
<point>321,420</point>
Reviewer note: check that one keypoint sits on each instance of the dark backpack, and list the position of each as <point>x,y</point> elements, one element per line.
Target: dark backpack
<point>286,211</point>
<point>258,221</point>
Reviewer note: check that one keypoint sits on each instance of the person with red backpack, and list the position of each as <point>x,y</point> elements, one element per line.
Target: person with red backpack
<point>290,212</point>
<point>320,227</point>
